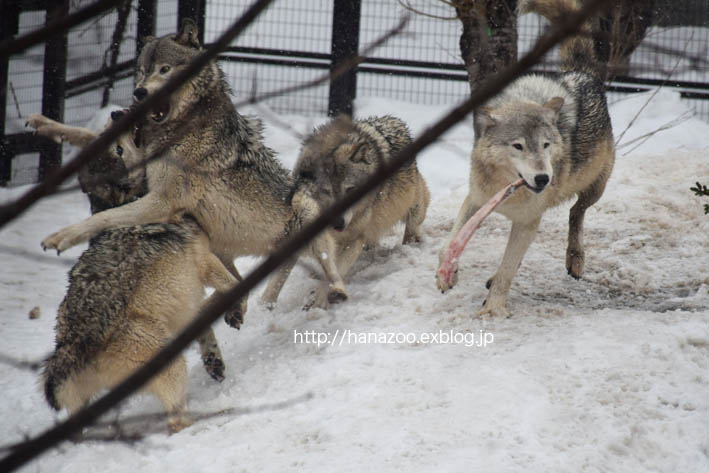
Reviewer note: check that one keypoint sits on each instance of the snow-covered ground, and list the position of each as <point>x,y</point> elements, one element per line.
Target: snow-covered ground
<point>610,373</point>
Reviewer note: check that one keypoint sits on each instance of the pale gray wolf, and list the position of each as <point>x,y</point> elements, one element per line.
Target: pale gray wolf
<point>334,159</point>
<point>214,166</point>
<point>130,292</point>
<point>114,178</point>
<point>553,132</point>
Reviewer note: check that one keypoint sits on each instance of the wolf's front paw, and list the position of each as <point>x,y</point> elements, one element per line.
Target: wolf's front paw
<point>44,126</point>
<point>318,299</point>
<point>234,317</point>
<point>214,365</point>
<point>494,309</point>
<point>336,294</point>
<point>446,279</point>
<point>63,239</point>
<point>176,423</point>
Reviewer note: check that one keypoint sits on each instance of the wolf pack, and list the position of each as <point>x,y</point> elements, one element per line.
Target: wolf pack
<point>193,186</point>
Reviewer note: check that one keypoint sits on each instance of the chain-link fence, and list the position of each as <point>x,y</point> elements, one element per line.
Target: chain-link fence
<point>291,43</point>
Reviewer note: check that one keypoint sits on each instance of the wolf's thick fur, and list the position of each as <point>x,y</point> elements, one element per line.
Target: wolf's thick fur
<point>129,294</point>
<point>334,159</point>
<point>111,179</point>
<point>115,178</point>
<point>215,165</point>
<point>556,134</point>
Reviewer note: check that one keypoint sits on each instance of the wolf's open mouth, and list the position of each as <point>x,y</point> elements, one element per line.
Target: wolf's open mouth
<point>536,190</point>
<point>160,112</point>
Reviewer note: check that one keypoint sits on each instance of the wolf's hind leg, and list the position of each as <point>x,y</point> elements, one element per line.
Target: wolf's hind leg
<point>170,387</point>
<point>575,253</point>
<point>416,215</point>
<point>234,317</point>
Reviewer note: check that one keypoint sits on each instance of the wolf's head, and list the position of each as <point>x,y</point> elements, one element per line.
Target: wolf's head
<point>333,161</point>
<point>520,139</point>
<point>160,59</point>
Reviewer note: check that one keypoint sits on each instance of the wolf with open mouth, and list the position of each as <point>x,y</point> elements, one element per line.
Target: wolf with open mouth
<point>211,163</point>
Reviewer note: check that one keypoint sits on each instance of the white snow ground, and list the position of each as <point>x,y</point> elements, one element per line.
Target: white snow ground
<point>610,373</point>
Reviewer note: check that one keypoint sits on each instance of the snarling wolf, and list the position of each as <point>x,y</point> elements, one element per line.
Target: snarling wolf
<point>214,166</point>
<point>556,134</point>
<point>334,159</point>
<point>130,292</point>
<point>113,178</point>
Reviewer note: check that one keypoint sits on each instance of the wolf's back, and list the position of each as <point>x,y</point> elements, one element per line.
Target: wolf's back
<point>577,53</point>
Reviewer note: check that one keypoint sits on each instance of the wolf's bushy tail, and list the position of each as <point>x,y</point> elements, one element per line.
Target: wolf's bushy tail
<point>577,53</point>
<point>57,369</point>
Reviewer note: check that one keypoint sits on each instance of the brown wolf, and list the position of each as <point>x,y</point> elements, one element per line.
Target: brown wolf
<point>115,178</point>
<point>130,292</point>
<point>336,158</point>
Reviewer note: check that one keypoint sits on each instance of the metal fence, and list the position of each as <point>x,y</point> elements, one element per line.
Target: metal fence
<point>296,41</point>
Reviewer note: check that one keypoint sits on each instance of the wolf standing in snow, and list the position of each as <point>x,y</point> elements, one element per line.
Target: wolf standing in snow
<point>556,134</point>
<point>336,158</point>
<point>115,178</point>
<point>214,166</point>
<point>129,294</point>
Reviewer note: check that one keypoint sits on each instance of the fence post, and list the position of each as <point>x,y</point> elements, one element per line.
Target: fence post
<point>194,9</point>
<point>147,10</point>
<point>345,44</point>
<point>53,88</point>
<point>8,28</point>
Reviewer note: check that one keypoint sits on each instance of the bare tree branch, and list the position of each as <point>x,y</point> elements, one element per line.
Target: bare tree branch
<point>218,305</point>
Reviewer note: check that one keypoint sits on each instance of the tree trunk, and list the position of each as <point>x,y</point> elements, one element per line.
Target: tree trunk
<point>489,39</point>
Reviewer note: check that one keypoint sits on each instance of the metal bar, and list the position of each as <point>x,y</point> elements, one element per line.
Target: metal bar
<point>53,87</point>
<point>345,45</point>
<point>8,28</point>
<point>147,16</point>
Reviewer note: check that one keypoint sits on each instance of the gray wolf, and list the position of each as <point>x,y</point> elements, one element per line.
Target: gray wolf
<point>115,178</point>
<point>334,159</point>
<point>129,293</point>
<point>214,166</point>
<point>556,134</point>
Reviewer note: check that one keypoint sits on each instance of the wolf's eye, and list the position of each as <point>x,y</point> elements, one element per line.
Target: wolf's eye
<point>119,150</point>
<point>518,146</point>
<point>164,69</point>
<point>349,189</point>
<point>546,145</point>
<point>307,175</point>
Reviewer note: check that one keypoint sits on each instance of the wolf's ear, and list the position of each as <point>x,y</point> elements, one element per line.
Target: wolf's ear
<point>554,104</point>
<point>483,119</point>
<point>188,34</point>
<point>357,153</point>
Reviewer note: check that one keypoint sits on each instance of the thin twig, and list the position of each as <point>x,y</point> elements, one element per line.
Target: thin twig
<point>643,138</point>
<point>20,364</point>
<point>14,97</point>
<point>218,305</point>
<point>652,96</point>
